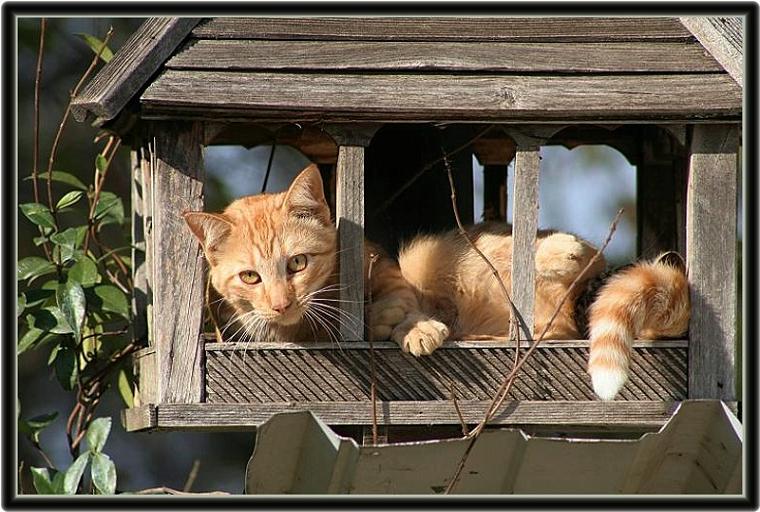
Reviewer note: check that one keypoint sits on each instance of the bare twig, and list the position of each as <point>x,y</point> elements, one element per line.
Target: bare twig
<point>463,232</point>
<point>385,204</point>
<point>505,387</point>
<point>175,492</point>
<point>67,112</point>
<point>373,385</point>
<point>36,154</point>
<point>465,430</point>
<point>192,476</point>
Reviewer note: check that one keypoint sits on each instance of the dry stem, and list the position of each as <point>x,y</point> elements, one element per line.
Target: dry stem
<point>373,385</point>
<point>504,389</point>
<point>36,154</point>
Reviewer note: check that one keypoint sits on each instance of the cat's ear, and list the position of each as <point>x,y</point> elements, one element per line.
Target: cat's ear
<point>306,197</point>
<point>209,228</point>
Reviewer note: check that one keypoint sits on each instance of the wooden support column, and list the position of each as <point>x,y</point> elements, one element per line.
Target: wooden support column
<point>177,262</point>
<point>711,260</point>
<point>524,227</point>
<point>349,216</point>
<point>660,191</point>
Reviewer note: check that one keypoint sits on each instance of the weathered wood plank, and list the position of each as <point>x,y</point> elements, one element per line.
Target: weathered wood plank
<point>147,161</point>
<point>349,214</point>
<point>178,289</point>
<point>139,279</point>
<point>448,344</point>
<point>723,38</point>
<point>398,28</point>
<point>131,67</point>
<point>421,56</point>
<point>300,97</point>
<point>524,228</point>
<point>711,261</point>
<point>568,414</point>
<point>144,366</point>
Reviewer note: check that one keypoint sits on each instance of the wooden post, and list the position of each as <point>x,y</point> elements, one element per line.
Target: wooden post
<point>178,262</point>
<point>659,194</point>
<point>349,214</point>
<point>711,260</point>
<point>524,228</point>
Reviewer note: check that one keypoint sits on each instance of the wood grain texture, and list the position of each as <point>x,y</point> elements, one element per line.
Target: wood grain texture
<point>139,278</point>
<point>211,345</point>
<point>723,37</point>
<point>422,28</point>
<point>238,417</point>
<point>178,289</point>
<point>524,228</point>
<point>432,56</point>
<point>144,367</point>
<point>248,373</point>
<point>711,261</point>
<point>131,67</point>
<point>302,97</point>
<point>349,215</point>
<point>146,170</point>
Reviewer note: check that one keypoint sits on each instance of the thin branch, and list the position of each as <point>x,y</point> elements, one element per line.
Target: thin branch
<point>373,385</point>
<point>465,430</point>
<point>192,476</point>
<point>168,490</point>
<point>57,139</point>
<point>385,204</point>
<point>505,387</point>
<point>36,154</point>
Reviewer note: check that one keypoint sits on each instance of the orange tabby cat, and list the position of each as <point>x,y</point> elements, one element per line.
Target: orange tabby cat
<point>272,258</point>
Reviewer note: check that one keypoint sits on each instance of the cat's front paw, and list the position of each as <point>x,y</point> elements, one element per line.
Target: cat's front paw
<point>419,334</point>
<point>384,315</point>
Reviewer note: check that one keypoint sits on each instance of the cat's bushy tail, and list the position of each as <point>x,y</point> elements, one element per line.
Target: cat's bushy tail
<point>648,300</point>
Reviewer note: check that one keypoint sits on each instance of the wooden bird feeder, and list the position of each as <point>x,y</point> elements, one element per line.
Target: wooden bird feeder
<point>372,100</point>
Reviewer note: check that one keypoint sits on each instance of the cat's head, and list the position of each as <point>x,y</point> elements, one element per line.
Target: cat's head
<point>267,253</point>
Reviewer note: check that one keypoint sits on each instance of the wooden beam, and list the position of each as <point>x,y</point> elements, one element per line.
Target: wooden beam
<point>649,57</point>
<point>524,229</point>
<point>723,37</point>
<point>711,260</point>
<point>350,219</point>
<point>130,68</point>
<point>179,278</point>
<point>605,416</point>
<point>301,97</point>
<point>405,28</point>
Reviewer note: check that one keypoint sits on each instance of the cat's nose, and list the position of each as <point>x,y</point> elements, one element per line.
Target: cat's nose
<point>282,305</point>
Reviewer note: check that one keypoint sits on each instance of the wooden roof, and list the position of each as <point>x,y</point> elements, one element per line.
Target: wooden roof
<point>422,69</point>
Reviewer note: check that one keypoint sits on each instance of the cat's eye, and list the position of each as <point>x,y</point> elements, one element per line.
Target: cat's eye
<point>297,263</point>
<point>250,277</point>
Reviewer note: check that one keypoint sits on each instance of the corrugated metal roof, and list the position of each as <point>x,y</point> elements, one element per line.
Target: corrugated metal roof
<point>698,451</point>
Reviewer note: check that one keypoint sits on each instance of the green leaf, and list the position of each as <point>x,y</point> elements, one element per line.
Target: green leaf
<point>37,296</point>
<point>39,240</point>
<point>28,340</point>
<point>125,388</point>
<point>20,305</point>
<point>110,298</point>
<point>41,480</point>
<point>110,209</point>
<point>101,162</point>
<point>32,427</point>
<point>33,267</point>
<point>66,368</point>
<point>68,241</point>
<point>71,301</point>
<point>96,44</point>
<point>53,354</point>
<point>49,319</point>
<point>74,474</point>
<point>84,271</point>
<point>103,472</point>
<point>62,177</point>
<point>39,214</point>
<point>69,199</point>
<point>58,481</point>
<point>97,434</point>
